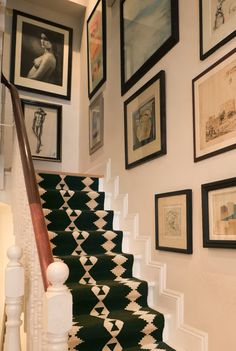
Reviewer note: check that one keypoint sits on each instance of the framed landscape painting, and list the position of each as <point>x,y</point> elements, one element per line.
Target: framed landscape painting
<point>96,121</point>
<point>217,24</point>
<point>43,123</point>
<point>148,30</point>
<point>173,214</point>
<point>96,47</point>
<point>214,108</point>
<point>145,123</point>
<point>41,57</point>
<point>219,213</point>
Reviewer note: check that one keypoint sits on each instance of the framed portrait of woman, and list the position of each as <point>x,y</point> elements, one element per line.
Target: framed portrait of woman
<point>41,56</point>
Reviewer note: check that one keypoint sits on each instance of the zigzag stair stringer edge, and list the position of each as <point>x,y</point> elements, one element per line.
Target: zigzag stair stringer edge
<point>177,334</point>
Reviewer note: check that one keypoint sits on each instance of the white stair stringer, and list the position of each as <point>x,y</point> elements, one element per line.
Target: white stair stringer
<point>177,334</point>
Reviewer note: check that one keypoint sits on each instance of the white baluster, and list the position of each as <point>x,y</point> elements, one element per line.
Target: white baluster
<point>14,290</point>
<point>57,308</point>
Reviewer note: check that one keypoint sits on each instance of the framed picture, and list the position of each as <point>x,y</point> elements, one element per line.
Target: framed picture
<point>214,108</point>
<point>219,213</point>
<point>173,214</point>
<point>41,56</point>
<point>149,29</point>
<point>96,120</point>
<point>43,126</point>
<point>96,47</point>
<point>145,122</point>
<point>217,24</point>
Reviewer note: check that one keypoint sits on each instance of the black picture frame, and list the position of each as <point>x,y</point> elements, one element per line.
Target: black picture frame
<point>173,221</point>
<point>96,48</point>
<point>43,122</point>
<point>219,213</point>
<point>41,56</point>
<point>157,49</point>
<point>145,122</point>
<point>96,124</point>
<point>214,111</point>
<point>215,31</point>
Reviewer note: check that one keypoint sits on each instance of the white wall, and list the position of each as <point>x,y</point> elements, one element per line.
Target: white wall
<point>208,276</point>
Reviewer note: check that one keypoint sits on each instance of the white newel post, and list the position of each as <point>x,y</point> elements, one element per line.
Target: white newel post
<point>57,308</point>
<point>14,290</point>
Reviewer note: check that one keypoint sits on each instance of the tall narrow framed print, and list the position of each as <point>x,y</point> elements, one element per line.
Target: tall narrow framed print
<point>41,57</point>
<point>96,123</point>
<point>173,214</point>
<point>219,213</point>
<point>217,24</point>
<point>214,108</point>
<point>96,47</point>
<point>145,123</point>
<point>43,123</point>
<point>148,30</point>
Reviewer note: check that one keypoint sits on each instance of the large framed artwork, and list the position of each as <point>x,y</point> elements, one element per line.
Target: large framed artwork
<point>217,24</point>
<point>41,56</point>
<point>148,30</point>
<point>173,214</point>
<point>145,123</point>
<point>96,120</point>
<point>214,108</point>
<point>219,213</point>
<point>96,47</point>
<point>43,123</point>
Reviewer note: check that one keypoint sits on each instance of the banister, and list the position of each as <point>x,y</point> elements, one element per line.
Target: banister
<point>39,225</point>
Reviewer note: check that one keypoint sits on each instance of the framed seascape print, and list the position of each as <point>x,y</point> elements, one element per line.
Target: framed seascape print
<point>217,24</point>
<point>96,120</point>
<point>43,126</point>
<point>173,214</point>
<point>41,56</point>
<point>96,47</point>
<point>214,108</point>
<point>148,30</point>
<point>145,123</point>
<point>219,213</point>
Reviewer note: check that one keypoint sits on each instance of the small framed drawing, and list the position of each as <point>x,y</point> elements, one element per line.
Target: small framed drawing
<point>145,123</point>
<point>173,213</point>
<point>148,30</point>
<point>43,126</point>
<point>214,108</point>
<point>41,56</point>
<point>217,24</point>
<point>219,213</point>
<point>96,120</point>
<point>96,47</point>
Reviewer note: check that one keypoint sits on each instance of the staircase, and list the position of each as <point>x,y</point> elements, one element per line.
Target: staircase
<point>110,311</point>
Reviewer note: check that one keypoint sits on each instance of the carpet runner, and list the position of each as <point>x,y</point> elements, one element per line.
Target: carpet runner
<point>110,310</point>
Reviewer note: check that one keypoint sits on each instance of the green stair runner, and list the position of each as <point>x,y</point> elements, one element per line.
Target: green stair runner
<point>110,310</point>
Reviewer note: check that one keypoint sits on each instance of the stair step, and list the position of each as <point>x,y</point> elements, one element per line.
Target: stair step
<point>85,242</point>
<point>77,219</point>
<point>64,199</point>
<point>152,347</point>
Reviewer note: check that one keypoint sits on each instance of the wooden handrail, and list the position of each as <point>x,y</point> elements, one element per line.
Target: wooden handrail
<point>39,225</point>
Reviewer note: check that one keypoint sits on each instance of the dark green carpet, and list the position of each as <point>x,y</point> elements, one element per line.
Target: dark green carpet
<point>110,311</point>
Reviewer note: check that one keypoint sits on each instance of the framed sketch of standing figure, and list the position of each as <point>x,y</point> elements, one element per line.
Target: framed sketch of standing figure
<point>41,56</point>
<point>43,126</point>
<point>217,24</point>
<point>214,108</point>
<point>96,47</point>
<point>173,214</point>
<point>96,124</point>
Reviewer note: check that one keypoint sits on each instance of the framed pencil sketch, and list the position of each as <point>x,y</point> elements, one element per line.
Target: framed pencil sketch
<point>219,213</point>
<point>96,47</point>
<point>217,24</point>
<point>214,108</point>
<point>96,120</point>
<point>148,30</point>
<point>43,123</point>
<point>41,56</point>
<point>173,214</point>
<point>145,123</point>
